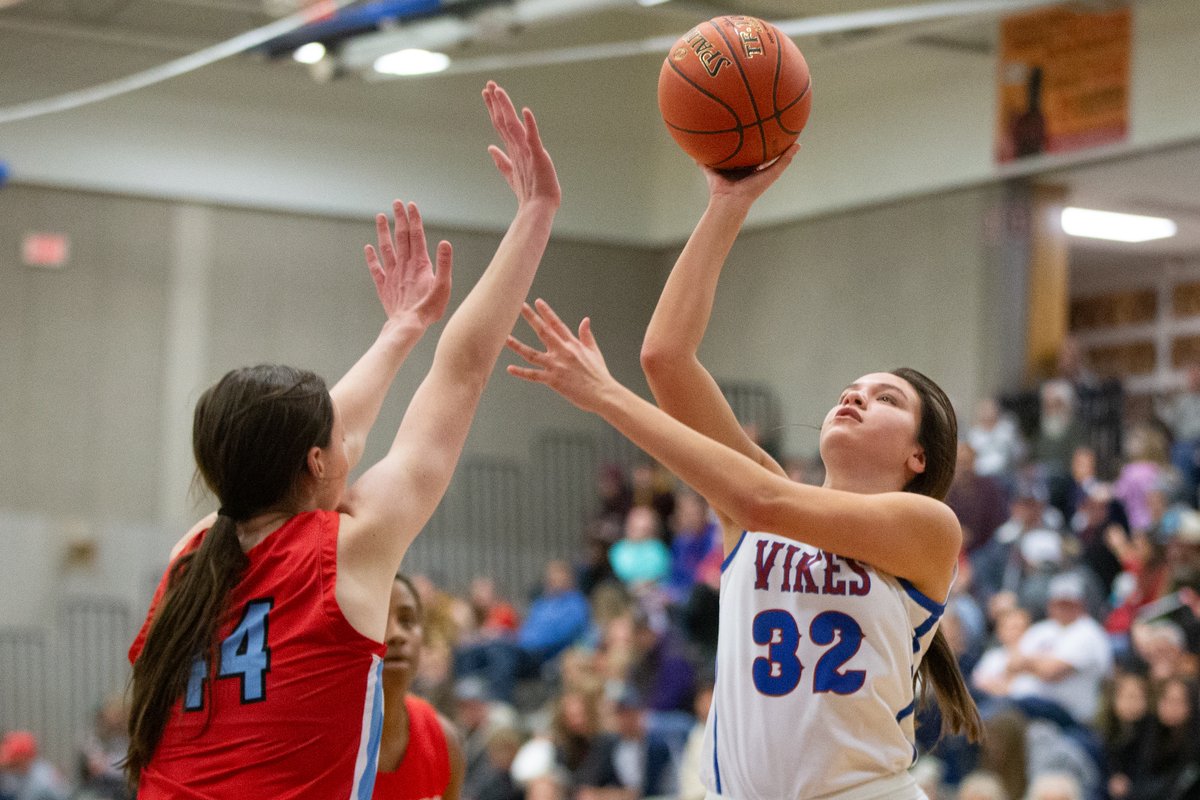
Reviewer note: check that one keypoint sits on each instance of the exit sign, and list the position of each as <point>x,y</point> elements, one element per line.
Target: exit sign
<point>45,250</point>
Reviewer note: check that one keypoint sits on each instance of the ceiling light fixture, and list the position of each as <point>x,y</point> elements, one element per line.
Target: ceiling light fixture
<point>309,53</point>
<point>412,61</point>
<point>1115,227</point>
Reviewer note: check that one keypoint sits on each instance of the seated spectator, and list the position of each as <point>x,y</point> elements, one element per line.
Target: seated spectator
<point>1181,415</point>
<point>694,534</point>
<point>642,757</point>
<point>584,751</point>
<point>557,618</point>
<point>495,781</point>
<point>1055,786</point>
<point>979,501</point>
<point>103,750</point>
<point>991,675</point>
<point>654,488</point>
<point>1161,647</point>
<point>494,617</point>
<point>981,785</point>
<point>661,672</point>
<point>1143,580</point>
<point>640,557</point>
<point>996,442</point>
<point>1093,524</point>
<point>1145,470</point>
<point>1000,565</point>
<point>929,773</point>
<point>478,717</point>
<point>1168,764</point>
<point>25,775</point>
<point>1060,432</point>
<point>1124,709</point>
<point>690,787</point>
<point>1063,659</point>
<point>614,492</point>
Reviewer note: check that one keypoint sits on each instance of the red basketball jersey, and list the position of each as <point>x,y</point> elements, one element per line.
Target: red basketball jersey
<point>424,772</point>
<point>295,709</point>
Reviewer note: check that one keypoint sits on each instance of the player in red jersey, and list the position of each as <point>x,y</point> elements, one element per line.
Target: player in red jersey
<point>258,671</point>
<point>420,755</point>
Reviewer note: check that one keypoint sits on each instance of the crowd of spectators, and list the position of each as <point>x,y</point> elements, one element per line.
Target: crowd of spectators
<point>1075,616</point>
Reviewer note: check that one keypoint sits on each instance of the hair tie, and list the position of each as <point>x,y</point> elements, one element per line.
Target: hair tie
<point>224,512</point>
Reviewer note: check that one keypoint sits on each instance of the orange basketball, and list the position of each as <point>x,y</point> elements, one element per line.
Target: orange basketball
<point>734,92</point>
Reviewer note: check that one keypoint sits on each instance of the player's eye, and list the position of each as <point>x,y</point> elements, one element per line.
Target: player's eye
<point>888,398</point>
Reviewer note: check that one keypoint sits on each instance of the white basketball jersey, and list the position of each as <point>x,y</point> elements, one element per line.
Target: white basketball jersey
<point>815,664</point>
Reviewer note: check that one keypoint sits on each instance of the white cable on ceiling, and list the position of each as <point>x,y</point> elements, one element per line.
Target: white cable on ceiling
<point>172,69</point>
<point>808,26</point>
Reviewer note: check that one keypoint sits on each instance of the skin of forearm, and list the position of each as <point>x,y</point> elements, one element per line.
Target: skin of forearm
<point>476,332</point>
<point>360,393</point>
<point>682,315</point>
<point>727,478</point>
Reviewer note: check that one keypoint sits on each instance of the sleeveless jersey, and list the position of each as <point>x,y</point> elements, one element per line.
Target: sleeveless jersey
<point>424,771</point>
<point>815,664</point>
<point>295,710</point>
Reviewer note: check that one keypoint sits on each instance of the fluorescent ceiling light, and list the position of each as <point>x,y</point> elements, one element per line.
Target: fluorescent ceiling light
<point>309,53</point>
<point>1115,227</point>
<point>651,2</point>
<point>412,62</point>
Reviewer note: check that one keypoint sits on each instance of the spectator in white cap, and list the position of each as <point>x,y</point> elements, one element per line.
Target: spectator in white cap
<point>1064,658</point>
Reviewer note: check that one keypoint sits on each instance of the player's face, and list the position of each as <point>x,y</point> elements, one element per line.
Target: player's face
<point>405,632</point>
<point>337,466</point>
<point>876,417</point>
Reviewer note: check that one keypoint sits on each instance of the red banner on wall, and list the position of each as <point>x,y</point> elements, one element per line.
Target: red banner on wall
<point>1064,81</point>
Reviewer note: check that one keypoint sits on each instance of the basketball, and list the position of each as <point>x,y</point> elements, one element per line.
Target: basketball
<point>734,92</point>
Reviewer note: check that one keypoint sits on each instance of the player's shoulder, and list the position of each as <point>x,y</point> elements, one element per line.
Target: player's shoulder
<point>203,525</point>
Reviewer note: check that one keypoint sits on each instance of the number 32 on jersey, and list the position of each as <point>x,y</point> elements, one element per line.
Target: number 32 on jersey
<point>779,672</point>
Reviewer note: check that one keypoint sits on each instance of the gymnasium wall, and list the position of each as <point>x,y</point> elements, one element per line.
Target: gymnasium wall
<point>106,357</point>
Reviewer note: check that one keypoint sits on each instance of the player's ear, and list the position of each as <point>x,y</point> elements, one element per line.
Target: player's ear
<point>916,461</point>
<point>315,461</point>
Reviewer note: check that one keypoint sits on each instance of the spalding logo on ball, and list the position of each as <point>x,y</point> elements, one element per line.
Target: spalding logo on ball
<point>734,92</point>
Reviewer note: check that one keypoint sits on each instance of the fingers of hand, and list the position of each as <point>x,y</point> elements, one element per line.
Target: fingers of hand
<point>523,350</point>
<point>383,235</point>
<point>416,232</point>
<point>373,265</point>
<point>445,259</point>
<point>403,227</point>
<point>553,322</point>
<point>525,373</point>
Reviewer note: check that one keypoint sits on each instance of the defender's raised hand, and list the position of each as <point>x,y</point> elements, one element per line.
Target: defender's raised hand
<point>523,162</point>
<point>411,291</point>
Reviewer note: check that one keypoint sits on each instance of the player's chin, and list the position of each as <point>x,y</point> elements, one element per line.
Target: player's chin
<point>398,667</point>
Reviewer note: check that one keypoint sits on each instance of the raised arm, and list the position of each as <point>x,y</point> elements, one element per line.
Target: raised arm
<point>394,499</point>
<point>681,385</point>
<point>414,297</point>
<point>907,535</point>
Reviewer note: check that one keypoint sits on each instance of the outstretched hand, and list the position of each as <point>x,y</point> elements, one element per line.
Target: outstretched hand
<point>748,185</point>
<point>571,365</point>
<point>523,162</point>
<point>411,291</point>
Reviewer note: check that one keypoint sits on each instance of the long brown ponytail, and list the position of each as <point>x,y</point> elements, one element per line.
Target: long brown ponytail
<point>938,435</point>
<point>251,434</point>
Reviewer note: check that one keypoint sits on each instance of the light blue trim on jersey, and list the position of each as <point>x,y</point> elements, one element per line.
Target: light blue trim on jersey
<point>366,783</point>
<point>716,761</point>
<point>733,552</point>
